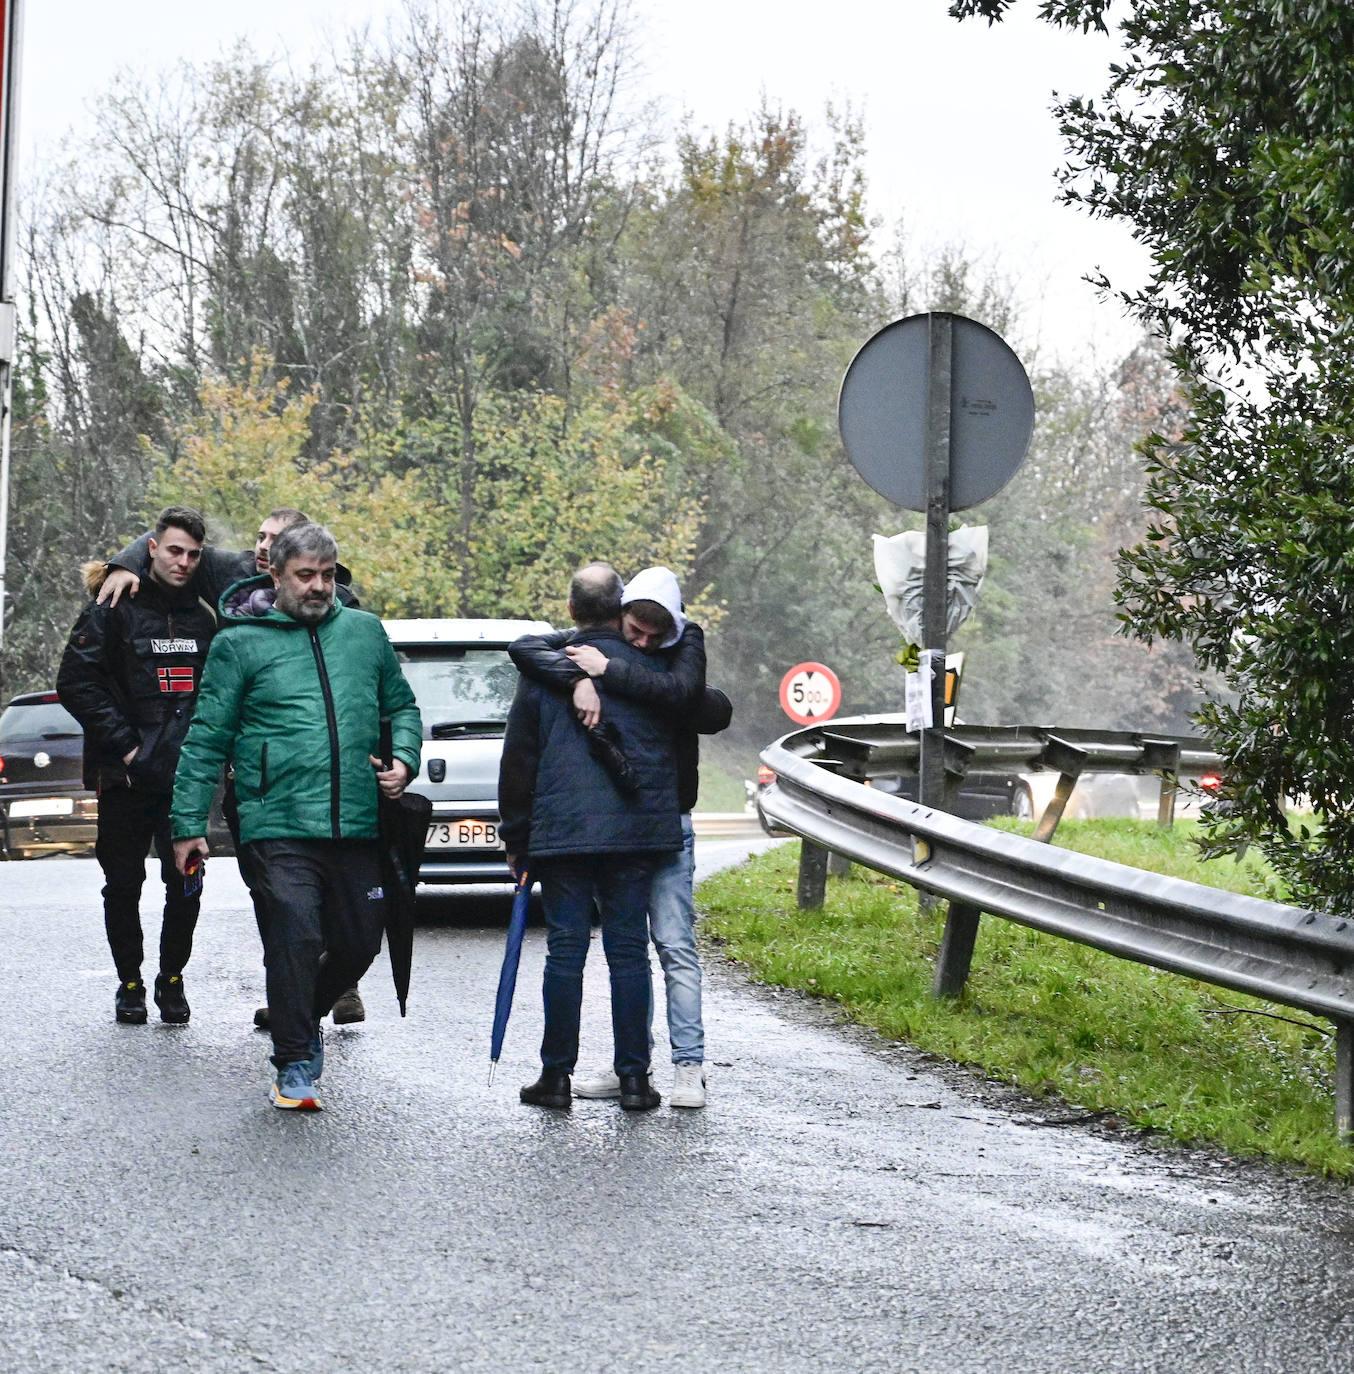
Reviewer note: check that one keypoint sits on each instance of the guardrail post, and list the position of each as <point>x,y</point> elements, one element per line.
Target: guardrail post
<point>1069,761</point>
<point>1053,812</point>
<point>1163,756</point>
<point>956,950</point>
<point>1344,1079</point>
<point>1166,801</point>
<point>812,875</point>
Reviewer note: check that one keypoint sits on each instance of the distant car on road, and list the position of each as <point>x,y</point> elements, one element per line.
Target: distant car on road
<point>464,682</point>
<point>45,807</point>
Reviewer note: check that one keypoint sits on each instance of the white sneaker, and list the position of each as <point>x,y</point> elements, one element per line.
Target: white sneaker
<point>598,1085</point>
<point>688,1086</point>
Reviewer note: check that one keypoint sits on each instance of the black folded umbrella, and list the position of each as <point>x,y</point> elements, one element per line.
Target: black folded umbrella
<point>403,827</point>
<point>607,746</point>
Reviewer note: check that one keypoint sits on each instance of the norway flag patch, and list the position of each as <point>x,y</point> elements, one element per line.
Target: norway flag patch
<point>176,679</point>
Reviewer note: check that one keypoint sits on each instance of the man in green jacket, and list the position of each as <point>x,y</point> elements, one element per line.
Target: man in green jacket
<point>293,694</point>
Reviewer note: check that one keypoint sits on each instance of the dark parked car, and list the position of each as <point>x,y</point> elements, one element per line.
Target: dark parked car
<point>44,805</point>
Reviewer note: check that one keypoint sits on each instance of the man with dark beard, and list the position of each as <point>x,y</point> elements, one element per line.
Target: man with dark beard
<point>294,692</point>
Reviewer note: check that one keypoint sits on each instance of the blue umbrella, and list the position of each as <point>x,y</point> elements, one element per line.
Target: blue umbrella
<point>507,975</point>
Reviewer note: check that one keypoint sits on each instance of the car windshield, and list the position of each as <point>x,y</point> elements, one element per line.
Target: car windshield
<point>38,720</point>
<point>459,683</point>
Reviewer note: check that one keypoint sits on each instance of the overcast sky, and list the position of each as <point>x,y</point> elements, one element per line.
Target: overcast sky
<point>962,144</point>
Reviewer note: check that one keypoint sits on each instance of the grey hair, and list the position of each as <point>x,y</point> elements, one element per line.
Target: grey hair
<point>307,537</point>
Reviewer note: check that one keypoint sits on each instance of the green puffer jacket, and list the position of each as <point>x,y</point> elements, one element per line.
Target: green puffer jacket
<point>297,710</point>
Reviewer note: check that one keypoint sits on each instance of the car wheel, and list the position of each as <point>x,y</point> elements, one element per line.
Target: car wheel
<point>1022,802</point>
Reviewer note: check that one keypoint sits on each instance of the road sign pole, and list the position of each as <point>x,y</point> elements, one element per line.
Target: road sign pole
<point>931,791</point>
<point>11,20</point>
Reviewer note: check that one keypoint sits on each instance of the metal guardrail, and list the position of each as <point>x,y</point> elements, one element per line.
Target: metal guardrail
<point>868,747</point>
<point>1299,958</point>
<point>725,825</point>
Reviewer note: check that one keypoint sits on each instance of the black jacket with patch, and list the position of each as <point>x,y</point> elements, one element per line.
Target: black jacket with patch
<point>130,676</point>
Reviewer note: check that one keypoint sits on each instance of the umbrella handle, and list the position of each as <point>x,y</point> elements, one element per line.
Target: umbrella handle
<point>385,749</point>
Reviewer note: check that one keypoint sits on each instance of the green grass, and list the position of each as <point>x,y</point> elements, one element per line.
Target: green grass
<point>721,789</point>
<point>1051,1016</point>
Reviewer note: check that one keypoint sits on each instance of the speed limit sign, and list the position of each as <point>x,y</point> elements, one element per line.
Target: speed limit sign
<point>809,692</point>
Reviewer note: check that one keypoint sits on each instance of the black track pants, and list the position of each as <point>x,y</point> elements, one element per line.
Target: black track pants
<point>318,898</point>
<point>129,819</point>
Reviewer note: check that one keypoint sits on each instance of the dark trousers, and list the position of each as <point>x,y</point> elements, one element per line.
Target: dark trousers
<point>129,820</point>
<point>619,885</point>
<point>322,906</point>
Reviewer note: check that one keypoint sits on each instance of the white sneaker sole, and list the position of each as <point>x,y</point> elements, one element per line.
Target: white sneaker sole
<point>594,1093</point>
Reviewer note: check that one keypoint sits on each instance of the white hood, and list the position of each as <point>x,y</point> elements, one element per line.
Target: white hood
<point>660,585</point>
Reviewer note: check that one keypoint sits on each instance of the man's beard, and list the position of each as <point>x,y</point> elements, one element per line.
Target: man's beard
<point>309,609</point>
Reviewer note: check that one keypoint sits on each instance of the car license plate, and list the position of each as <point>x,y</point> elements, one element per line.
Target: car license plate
<point>467,834</point>
<point>41,806</point>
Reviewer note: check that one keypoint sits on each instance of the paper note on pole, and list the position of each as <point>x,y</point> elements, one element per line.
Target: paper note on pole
<point>917,696</point>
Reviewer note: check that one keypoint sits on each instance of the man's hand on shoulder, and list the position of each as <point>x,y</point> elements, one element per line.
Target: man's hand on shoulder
<point>115,582</point>
<point>588,657</point>
<point>393,780</point>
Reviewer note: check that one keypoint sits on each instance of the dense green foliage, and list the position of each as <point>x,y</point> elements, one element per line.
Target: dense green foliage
<point>1225,141</point>
<point>1057,1019</point>
<point>444,293</point>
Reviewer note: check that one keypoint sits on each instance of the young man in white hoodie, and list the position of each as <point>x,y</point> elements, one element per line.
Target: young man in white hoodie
<point>652,620</point>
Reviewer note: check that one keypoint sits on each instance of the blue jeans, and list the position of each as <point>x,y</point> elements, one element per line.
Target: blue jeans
<point>619,884</point>
<point>672,923</point>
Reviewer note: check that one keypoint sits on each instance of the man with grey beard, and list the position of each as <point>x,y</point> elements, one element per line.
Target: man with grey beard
<point>293,692</point>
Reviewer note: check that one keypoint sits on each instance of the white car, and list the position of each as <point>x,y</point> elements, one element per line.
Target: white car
<point>464,682</point>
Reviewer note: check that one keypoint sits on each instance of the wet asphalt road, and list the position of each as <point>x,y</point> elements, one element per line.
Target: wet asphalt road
<point>839,1205</point>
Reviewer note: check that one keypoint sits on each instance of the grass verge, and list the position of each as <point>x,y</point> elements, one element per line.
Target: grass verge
<point>1056,1018</point>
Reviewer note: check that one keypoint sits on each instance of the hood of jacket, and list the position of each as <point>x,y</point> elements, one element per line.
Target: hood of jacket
<point>660,585</point>
<point>253,600</point>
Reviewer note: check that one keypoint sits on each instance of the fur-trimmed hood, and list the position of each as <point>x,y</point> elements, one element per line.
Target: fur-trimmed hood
<point>93,574</point>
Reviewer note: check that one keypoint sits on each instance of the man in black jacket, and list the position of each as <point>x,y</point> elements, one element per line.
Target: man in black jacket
<point>652,620</point>
<point>130,675</point>
<point>587,839</point>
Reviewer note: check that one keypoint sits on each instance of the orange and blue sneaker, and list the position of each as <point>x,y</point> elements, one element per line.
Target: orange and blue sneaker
<point>294,1088</point>
<point>316,1061</point>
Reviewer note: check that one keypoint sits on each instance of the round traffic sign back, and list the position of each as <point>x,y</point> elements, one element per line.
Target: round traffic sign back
<point>881,412</point>
<point>810,693</point>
